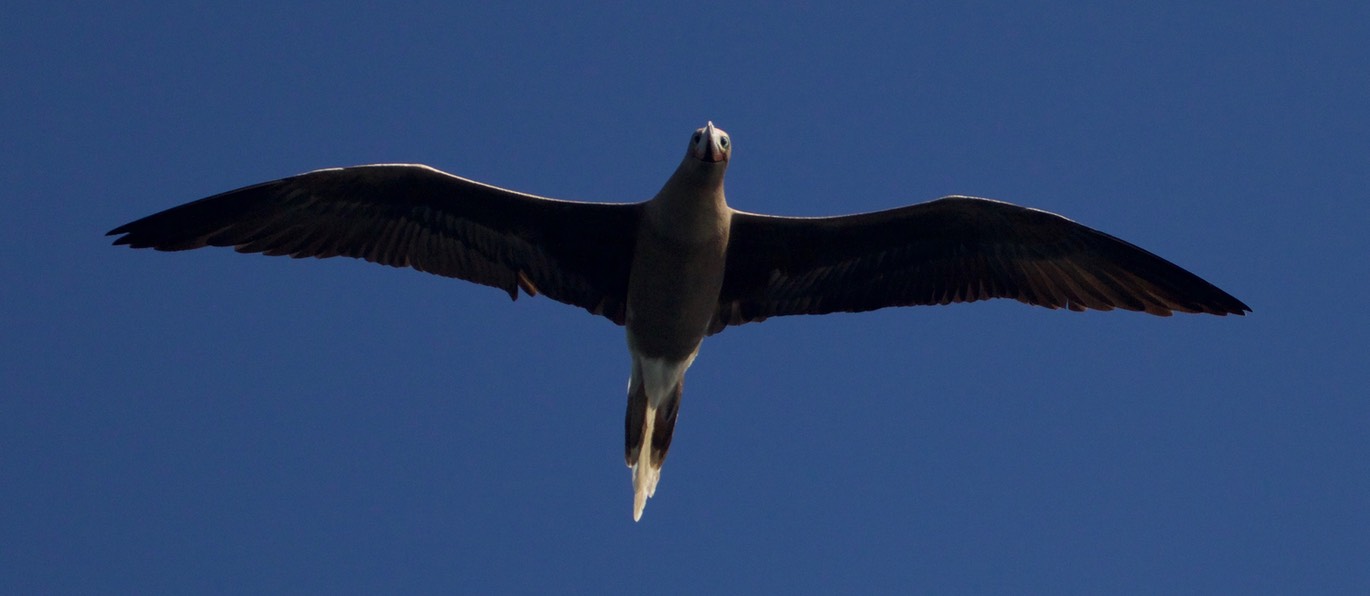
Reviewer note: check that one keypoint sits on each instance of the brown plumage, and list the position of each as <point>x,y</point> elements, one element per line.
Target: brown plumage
<point>682,265</point>
<point>419,217</point>
<point>955,249</point>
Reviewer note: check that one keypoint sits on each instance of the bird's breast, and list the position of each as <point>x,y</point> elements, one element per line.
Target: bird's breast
<point>673,293</point>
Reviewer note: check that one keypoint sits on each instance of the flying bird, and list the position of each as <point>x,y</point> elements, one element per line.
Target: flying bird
<point>682,265</point>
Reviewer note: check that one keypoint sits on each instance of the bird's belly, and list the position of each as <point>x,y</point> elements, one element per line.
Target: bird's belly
<point>672,297</point>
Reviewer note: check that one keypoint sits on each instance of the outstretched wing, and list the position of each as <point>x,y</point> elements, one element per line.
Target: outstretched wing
<point>955,249</point>
<point>419,217</point>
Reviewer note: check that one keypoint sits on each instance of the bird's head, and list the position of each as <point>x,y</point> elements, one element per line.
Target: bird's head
<point>711,145</point>
<point>703,166</point>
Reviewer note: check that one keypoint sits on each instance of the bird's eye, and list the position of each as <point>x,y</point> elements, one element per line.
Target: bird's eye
<point>695,139</point>
<point>723,142</point>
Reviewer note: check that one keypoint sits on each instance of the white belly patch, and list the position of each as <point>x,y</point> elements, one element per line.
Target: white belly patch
<point>659,376</point>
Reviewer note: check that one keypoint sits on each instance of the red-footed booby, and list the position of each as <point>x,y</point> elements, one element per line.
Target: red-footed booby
<point>682,265</point>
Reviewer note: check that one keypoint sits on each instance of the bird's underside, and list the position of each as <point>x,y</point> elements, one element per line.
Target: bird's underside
<point>683,265</point>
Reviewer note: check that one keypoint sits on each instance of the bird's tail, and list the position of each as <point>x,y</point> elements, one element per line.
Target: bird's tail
<point>648,437</point>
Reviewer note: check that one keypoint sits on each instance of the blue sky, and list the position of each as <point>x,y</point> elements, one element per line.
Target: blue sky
<point>208,422</point>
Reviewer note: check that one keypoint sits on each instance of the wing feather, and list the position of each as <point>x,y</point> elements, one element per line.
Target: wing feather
<point>416,216</point>
<point>955,249</point>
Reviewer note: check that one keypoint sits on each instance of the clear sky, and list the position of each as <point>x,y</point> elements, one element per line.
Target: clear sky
<point>208,422</point>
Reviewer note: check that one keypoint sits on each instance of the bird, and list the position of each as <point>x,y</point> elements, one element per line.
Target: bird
<point>682,265</point>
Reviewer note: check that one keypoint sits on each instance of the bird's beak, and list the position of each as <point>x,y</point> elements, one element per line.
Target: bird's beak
<point>710,147</point>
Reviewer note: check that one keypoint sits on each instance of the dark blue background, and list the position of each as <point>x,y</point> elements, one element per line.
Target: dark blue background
<point>214,423</point>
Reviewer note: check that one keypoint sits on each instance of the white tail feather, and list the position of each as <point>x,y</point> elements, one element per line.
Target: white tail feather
<point>645,475</point>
